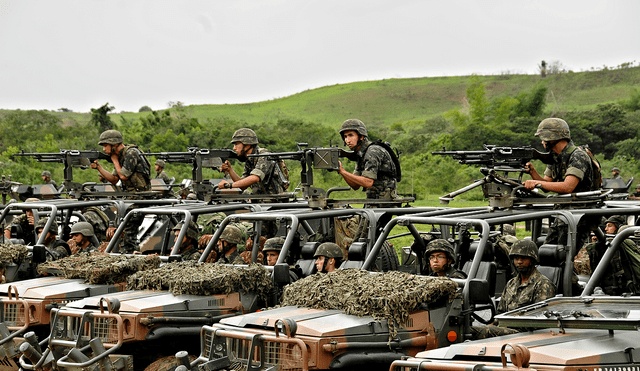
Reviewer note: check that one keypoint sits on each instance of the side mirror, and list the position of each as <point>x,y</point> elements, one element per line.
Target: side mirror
<point>281,274</point>
<point>479,291</point>
<point>39,254</point>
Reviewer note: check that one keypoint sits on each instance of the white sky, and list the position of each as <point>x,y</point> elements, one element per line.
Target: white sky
<point>81,54</point>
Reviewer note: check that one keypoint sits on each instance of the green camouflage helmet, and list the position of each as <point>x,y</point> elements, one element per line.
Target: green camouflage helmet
<point>525,248</point>
<point>553,129</point>
<point>638,186</point>
<point>617,220</point>
<point>192,231</point>
<point>353,125</point>
<point>509,229</point>
<point>245,136</point>
<point>43,221</point>
<point>160,163</point>
<point>273,244</point>
<point>232,234</point>
<point>46,173</point>
<point>441,245</point>
<point>329,250</point>
<point>83,228</point>
<point>112,137</point>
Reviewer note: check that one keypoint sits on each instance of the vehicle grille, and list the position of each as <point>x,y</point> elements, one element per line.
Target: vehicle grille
<point>284,356</point>
<point>71,328</point>
<point>13,314</point>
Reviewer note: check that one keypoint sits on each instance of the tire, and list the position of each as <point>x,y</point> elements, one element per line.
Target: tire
<point>387,259</point>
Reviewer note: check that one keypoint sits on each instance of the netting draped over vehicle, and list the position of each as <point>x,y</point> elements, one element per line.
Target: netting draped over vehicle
<point>392,296</point>
<point>195,278</point>
<point>10,253</point>
<point>99,268</point>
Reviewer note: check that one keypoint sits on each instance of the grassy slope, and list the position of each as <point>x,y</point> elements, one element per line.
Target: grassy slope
<point>383,102</point>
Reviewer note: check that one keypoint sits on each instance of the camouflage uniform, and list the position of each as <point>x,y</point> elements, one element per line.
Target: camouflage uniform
<point>535,289</point>
<point>617,175</point>
<point>98,220</point>
<point>374,162</point>
<point>163,175</point>
<point>58,248</point>
<point>189,251</point>
<point>442,245</point>
<point>451,272</point>
<point>233,258</point>
<point>270,183</point>
<point>27,229</point>
<point>135,167</point>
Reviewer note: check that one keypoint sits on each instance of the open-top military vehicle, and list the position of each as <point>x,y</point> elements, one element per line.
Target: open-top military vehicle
<point>590,332</point>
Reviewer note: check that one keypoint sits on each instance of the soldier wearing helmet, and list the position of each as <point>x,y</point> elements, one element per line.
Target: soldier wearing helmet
<point>160,173</point>
<point>228,245</point>
<point>260,173</point>
<point>620,276</point>
<point>272,248</point>
<point>375,170</point>
<point>615,173</point>
<point>529,285</point>
<point>328,257</point>
<point>46,178</point>
<point>572,171</point>
<point>441,258</point>
<point>23,225</point>
<point>635,195</point>
<point>81,234</point>
<point>189,246</point>
<point>133,169</point>
<point>58,249</point>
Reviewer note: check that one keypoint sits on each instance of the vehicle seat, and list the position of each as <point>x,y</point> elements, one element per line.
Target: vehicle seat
<point>356,254</point>
<point>551,263</point>
<point>487,270</point>
<point>307,262</point>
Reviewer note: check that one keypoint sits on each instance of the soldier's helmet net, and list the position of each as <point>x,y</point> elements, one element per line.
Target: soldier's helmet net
<point>273,244</point>
<point>353,125</point>
<point>526,248</point>
<point>192,231</point>
<point>46,173</point>
<point>441,245</point>
<point>112,137</point>
<point>551,129</point>
<point>245,136</point>
<point>84,228</point>
<point>617,220</point>
<point>329,250</point>
<point>232,234</point>
<point>43,221</point>
<point>160,163</point>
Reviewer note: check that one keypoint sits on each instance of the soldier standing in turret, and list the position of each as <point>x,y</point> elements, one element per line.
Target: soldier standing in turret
<point>260,173</point>
<point>46,178</point>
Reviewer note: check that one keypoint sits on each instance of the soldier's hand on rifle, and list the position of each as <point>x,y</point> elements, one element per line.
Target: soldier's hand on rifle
<point>225,167</point>
<point>95,164</point>
<point>223,184</point>
<point>531,184</point>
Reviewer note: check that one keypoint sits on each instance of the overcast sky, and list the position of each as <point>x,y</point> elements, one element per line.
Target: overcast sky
<point>82,54</point>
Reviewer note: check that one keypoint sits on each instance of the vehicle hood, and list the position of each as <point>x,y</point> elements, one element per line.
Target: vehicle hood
<point>57,288</point>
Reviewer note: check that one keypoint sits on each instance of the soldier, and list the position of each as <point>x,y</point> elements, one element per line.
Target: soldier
<point>615,173</point>
<point>635,195</point>
<point>441,259</point>
<point>58,249</point>
<point>328,257</point>
<point>24,225</point>
<point>375,170</point>
<point>529,286</point>
<point>272,248</point>
<point>133,169</point>
<point>228,245</point>
<point>160,173</point>
<point>46,178</point>
<point>571,172</point>
<point>262,174</point>
<point>81,234</point>
<point>189,247</point>
<point>100,223</point>
<point>620,275</point>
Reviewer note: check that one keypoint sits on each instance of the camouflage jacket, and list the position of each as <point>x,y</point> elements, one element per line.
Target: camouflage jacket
<point>191,253</point>
<point>451,273</point>
<point>59,249</point>
<point>135,167</point>
<point>516,294</point>
<point>266,169</point>
<point>27,229</point>
<point>163,175</point>
<point>623,268</point>
<point>98,220</point>
<point>375,163</point>
<point>52,182</point>
<point>89,248</point>
<point>233,258</point>
<point>572,161</point>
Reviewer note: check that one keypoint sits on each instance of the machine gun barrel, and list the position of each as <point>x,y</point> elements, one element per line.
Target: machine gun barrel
<point>509,159</point>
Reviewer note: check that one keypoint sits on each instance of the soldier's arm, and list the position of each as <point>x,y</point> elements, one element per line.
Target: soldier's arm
<point>105,174</point>
<point>228,169</point>
<point>241,183</point>
<point>566,186</point>
<point>355,181</point>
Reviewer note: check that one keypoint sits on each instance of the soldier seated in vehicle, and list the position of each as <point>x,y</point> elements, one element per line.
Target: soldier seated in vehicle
<point>81,241</point>
<point>46,178</point>
<point>442,259</point>
<point>529,286</point>
<point>328,257</point>
<point>623,271</point>
<point>635,195</point>
<point>58,249</point>
<point>23,225</point>
<point>189,249</point>
<point>228,245</point>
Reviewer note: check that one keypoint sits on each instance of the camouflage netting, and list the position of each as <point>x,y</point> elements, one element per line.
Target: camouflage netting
<point>391,296</point>
<point>98,268</point>
<point>195,278</point>
<point>10,253</point>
